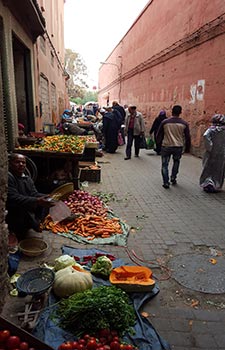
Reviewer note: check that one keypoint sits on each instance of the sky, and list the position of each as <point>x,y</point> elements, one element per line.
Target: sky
<point>94,27</point>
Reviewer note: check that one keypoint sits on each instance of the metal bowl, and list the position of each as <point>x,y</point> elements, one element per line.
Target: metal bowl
<point>35,281</point>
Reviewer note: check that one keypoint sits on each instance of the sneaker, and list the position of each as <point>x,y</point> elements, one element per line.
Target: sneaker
<point>173,181</point>
<point>166,185</point>
<point>126,158</point>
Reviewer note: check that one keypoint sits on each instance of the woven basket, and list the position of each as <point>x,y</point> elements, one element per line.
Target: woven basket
<point>33,246</point>
<point>35,281</point>
<point>62,192</point>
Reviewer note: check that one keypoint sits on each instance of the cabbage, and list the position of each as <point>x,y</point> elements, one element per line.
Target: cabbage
<point>64,261</point>
<point>102,266</point>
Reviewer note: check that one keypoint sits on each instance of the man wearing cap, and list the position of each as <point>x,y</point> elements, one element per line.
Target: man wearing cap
<point>134,129</point>
<point>155,128</point>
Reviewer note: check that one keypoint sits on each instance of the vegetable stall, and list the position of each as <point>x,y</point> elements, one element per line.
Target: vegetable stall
<point>57,158</point>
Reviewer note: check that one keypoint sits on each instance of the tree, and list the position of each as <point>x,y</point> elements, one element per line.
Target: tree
<point>77,71</point>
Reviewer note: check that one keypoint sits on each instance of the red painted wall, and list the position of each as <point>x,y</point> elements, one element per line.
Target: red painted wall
<point>173,54</point>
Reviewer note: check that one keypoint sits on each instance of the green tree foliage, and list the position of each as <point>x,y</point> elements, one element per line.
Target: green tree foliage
<point>77,71</point>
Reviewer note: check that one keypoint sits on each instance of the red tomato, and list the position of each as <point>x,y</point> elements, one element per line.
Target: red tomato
<point>24,345</point>
<point>114,333</point>
<point>66,346</point>
<point>81,347</point>
<point>114,345</point>
<point>115,338</point>
<point>74,345</point>
<point>104,333</point>
<point>4,334</point>
<point>86,337</point>
<point>82,341</point>
<point>91,345</point>
<point>103,340</point>
<point>32,349</point>
<point>13,342</point>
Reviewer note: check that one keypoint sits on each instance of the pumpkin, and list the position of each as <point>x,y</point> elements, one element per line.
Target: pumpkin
<point>70,280</point>
<point>132,278</point>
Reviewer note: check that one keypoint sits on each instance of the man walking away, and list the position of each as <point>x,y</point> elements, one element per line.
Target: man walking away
<point>174,135</point>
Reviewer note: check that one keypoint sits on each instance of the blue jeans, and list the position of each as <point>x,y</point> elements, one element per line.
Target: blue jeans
<point>166,153</point>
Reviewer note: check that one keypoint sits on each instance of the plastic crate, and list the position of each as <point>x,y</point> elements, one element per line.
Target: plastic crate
<point>91,175</point>
<point>23,335</point>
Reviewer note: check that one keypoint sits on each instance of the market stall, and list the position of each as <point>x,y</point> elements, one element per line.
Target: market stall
<point>57,158</point>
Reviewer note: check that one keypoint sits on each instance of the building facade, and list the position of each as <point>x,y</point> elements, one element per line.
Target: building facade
<point>32,60</point>
<point>172,54</point>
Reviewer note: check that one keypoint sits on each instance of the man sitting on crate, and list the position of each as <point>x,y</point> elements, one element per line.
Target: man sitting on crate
<point>25,205</point>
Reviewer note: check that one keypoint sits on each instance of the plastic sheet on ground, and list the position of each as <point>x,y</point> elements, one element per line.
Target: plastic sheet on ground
<point>119,239</point>
<point>145,336</point>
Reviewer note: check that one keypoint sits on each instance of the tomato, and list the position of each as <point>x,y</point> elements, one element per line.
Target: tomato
<point>66,346</point>
<point>103,340</point>
<point>129,347</point>
<point>86,337</point>
<point>91,345</point>
<point>114,333</point>
<point>82,341</point>
<point>4,334</point>
<point>74,345</point>
<point>81,347</point>
<point>24,345</point>
<point>115,338</point>
<point>13,342</point>
<point>114,345</point>
<point>104,333</point>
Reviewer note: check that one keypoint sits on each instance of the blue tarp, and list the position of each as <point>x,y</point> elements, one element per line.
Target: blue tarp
<point>145,336</point>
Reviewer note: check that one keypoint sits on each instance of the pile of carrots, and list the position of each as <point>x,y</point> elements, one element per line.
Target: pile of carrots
<point>89,226</point>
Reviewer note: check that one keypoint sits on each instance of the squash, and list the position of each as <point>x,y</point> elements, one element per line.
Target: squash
<point>132,278</point>
<point>70,280</point>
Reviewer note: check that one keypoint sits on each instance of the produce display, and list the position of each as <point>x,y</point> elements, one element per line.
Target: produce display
<point>59,143</point>
<point>10,341</point>
<point>70,280</point>
<point>83,203</point>
<point>94,309</point>
<point>88,218</point>
<point>104,340</point>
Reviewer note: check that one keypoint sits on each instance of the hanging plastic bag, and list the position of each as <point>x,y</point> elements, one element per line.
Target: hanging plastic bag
<point>120,139</point>
<point>150,143</point>
<point>143,143</point>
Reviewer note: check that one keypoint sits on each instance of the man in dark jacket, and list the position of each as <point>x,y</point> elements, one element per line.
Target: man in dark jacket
<point>24,203</point>
<point>174,135</point>
<point>155,127</point>
<point>122,112</point>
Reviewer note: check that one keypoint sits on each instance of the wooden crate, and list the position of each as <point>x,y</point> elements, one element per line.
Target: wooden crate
<point>23,335</point>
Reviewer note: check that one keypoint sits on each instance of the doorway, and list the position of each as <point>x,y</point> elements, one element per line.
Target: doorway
<point>23,84</point>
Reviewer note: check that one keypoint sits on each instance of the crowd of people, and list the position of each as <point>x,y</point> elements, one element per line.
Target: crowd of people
<point>26,206</point>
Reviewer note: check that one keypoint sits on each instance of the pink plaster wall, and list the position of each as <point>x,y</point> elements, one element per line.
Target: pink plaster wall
<point>194,78</point>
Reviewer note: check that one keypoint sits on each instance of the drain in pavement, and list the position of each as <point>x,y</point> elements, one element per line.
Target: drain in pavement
<point>199,272</point>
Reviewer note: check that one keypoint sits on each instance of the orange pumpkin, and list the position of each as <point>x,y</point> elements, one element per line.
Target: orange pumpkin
<point>132,278</point>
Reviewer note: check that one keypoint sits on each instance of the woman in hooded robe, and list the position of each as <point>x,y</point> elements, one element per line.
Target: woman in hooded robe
<point>212,177</point>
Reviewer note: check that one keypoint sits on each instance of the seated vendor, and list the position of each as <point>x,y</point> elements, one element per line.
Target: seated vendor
<point>25,205</point>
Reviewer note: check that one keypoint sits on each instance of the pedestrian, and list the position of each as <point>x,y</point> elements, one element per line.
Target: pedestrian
<point>212,177</point>
<point>121,110</point>
<point>155,127</point>
<point>134,129</point>
<point>24,203</point>
<point>174,135</point>
<point>111,125</point>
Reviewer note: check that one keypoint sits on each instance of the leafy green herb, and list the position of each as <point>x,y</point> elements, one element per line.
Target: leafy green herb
<point>95,309</point>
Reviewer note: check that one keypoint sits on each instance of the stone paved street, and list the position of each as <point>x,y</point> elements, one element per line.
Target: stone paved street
<point>166,223</point>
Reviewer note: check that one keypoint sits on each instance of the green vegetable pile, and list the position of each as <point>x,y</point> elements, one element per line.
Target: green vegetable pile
<point>102,307</point>
<point>102,266</point>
